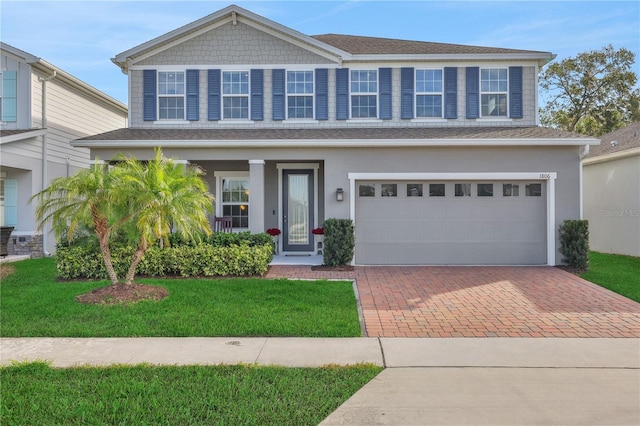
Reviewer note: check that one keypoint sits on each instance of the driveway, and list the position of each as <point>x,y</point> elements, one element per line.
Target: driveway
<point>482,301</point>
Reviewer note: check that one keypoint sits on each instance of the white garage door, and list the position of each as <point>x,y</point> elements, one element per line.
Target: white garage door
<point>450,223</point>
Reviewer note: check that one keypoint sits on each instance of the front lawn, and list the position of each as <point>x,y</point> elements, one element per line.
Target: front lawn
<point>615,272</point>
<point>35,394</point>
<point>34,304</point>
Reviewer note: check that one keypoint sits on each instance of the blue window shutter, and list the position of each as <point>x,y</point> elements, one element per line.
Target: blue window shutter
<point>278,95</point>
<point>384,89</point>
<point>257,97</point>
<point>342,93</point>
<point>213,95</point>
<point>10,96</point>
<point>515,92</point>
<point>149,95</point>
<point>406,95</point>
<point>193,94</point>
<point>451,92</point>
<point>322,94</point>
<point>473,92</point>
<point>10,202</point>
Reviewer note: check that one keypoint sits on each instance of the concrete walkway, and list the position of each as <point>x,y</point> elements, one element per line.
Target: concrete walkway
<point>515,381</point>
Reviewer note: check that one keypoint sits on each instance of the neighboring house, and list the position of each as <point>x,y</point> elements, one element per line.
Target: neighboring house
<point>432,149</point>
<point>611,188</point>
<point>43,109</point>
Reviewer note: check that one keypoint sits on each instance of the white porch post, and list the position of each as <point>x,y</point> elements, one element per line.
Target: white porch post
<point>256,196</point>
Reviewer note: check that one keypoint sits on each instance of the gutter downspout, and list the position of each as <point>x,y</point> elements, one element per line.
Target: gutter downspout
<point>45,148</point>
<point>583,153</point>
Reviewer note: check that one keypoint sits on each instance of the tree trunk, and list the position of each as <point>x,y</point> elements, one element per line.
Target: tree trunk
<point>137,257</point>
<point>102,232</point>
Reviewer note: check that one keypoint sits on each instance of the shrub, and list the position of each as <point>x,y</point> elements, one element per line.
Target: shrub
<point>339,242</point>
<point>222,255</point>
<point>574,243</point>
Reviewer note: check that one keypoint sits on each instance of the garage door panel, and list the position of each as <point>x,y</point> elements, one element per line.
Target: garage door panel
<point>451,230</point>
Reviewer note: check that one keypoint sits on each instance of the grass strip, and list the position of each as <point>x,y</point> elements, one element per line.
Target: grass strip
<point>36,394</point>
<point>34,304</point>
<point>618,273</point>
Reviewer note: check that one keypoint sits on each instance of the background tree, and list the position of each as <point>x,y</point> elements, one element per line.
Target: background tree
<point>592,93</point>
<point>163,196</point>
<point>86,200</point>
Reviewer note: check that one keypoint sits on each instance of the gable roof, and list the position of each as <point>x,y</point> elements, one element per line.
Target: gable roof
<point>624,139</point>
<point>335,46</point>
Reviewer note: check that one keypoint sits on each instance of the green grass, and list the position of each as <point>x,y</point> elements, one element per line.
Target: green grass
<point>615,272</point>
<point>34,304</point>
<point>35,394</point>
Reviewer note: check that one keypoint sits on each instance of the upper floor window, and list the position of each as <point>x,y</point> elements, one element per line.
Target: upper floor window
<point>364,94</point>
<point>300,94</point>
<point>171,95</point>
<point>9,96</point>
<point>493,92</point>
<point>235,95</point>
<point>428,93</point>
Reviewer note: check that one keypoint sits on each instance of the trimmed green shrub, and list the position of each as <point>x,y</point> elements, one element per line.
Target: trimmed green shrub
<point>242,255</point>
<point>574,243</point>
<point>339,242</point>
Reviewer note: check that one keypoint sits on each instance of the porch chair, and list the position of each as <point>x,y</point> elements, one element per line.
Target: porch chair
<point>222,224</point>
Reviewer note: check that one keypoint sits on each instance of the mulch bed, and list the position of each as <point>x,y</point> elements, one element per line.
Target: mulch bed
<point>339,268</point>
<point>571,269</point>
<point>123,293</point>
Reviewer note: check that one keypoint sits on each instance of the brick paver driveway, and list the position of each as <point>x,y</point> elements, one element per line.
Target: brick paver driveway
<point>427,301</point>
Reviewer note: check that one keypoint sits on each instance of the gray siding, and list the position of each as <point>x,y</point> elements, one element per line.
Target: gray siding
<point>243,45</point>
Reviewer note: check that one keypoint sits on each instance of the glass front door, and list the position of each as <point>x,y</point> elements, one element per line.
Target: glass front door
<point>297,219</point>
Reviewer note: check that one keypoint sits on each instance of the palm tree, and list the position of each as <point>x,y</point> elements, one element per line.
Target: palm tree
<point>85,199</point>
<point>163,196</point>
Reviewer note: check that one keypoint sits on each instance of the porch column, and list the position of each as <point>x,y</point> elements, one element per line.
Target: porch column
<point>256,196</point>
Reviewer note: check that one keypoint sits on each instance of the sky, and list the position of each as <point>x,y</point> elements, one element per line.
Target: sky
<point>81,37</point>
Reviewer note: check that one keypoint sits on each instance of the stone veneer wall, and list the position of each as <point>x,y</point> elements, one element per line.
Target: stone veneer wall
<point>26,245</point>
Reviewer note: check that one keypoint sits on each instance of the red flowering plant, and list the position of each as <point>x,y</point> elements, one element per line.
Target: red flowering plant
<point>318,231</point>
<point>274,232</point>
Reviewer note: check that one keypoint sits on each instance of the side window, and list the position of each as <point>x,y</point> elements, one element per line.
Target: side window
<point>235,200</point>
<point>493,92</point>
<point>364,93</point>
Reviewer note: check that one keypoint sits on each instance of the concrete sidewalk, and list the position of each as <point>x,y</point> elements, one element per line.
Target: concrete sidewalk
<point>515,381</point>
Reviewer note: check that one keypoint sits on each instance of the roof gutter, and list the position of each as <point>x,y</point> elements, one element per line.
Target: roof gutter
<point>331,143</point>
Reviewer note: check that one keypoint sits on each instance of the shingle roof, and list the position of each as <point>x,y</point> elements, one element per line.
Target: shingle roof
<point>382,46</point>
<point>627,138</point>
<point>362,133</point>
<point>5,133</point>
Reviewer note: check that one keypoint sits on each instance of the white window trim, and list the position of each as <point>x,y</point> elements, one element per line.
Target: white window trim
<point>183,96</point>
<point>506,93</point>
<point>416,94</point>
<point>220,176</point>
<point>247,95</point>
<point>548,177</point>
<point>377,95</point>
<point>312,94</point>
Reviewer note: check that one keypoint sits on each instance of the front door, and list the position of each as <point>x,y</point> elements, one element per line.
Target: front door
<point>297,210</point>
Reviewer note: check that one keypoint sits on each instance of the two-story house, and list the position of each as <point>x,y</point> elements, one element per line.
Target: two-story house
<point>43,108</point>
<point>432,149</point>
